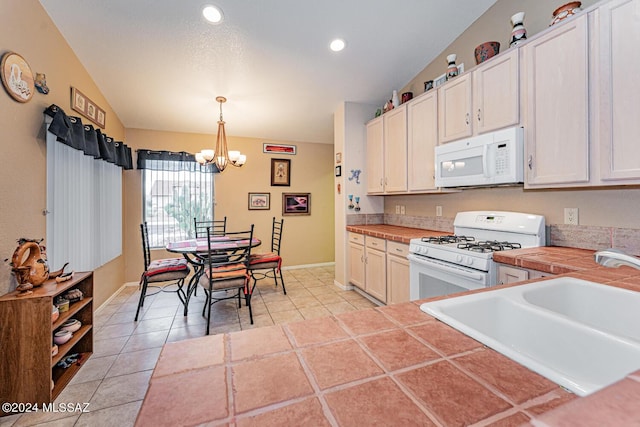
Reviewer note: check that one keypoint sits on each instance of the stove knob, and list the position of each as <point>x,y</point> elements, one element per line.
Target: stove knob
<point>425,250</point>
<point>459,258</point>
<point>469,261</point>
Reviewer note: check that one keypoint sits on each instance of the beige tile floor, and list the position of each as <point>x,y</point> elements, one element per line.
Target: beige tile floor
<point>115,379</point>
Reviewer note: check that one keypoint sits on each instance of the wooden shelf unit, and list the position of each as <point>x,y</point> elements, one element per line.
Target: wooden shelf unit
<point>27,367</point>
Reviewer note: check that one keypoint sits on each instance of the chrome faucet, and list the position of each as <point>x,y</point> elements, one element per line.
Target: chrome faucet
<point>616,258</point>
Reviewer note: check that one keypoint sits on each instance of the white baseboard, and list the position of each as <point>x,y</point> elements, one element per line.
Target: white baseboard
<point>297,267</point>
<point>115,294</point>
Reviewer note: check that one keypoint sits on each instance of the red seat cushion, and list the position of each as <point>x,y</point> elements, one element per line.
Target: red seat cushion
<point>257,261</point>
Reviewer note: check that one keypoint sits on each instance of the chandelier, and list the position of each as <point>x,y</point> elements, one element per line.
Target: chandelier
<point>221,156</point>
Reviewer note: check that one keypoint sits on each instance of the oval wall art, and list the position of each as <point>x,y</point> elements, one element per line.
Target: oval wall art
<point>17,77</point>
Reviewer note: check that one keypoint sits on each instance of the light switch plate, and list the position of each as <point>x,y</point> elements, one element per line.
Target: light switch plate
<point>438,210</point>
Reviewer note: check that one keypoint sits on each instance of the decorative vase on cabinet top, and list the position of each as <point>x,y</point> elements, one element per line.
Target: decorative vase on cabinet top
<point>566,11</point>
<point>394,99</point>
<point>452,69</point>
<point>486,50</point>
<point>518,33</point>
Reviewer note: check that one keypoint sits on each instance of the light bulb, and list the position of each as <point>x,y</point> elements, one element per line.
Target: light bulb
<point>208,155</point>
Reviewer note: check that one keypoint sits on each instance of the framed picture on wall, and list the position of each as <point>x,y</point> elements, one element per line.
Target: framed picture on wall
<point>296,203</point>
<point>281,172</point>
<point>87,108</point>
<point>259,201</point>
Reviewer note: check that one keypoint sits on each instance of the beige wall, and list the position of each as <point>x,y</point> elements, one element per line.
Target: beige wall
<point>493,25</point>
<point>599,207</point>
<point>26,29</point>
<point>306,239</point>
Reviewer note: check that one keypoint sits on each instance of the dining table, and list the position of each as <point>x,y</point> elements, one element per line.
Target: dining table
<point>196,252</point>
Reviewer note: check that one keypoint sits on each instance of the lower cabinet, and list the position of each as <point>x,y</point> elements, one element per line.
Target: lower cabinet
<point>29,368</point>
<point>508,274</point>
<point>397,273</point>
<point>379,267</point>
<point>367,265</point>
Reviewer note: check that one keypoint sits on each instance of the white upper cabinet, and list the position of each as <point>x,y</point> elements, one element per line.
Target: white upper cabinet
<point>387,152</point>
<point>422,125</point>
<point>484,100</point>
<point>496,93</point>
<point>616,92</point>
<point>454,109</point>
<point>395,150</point>
<point>555,77</point>
<point>375,156</point>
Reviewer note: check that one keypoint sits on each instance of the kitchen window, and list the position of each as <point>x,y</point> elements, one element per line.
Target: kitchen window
<point>176,190</point>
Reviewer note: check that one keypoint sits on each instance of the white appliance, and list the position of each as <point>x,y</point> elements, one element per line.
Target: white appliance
<point>464,261</point>
<point>495,158</point>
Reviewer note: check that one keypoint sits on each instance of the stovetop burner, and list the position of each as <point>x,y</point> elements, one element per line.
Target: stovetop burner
<point>443,240</point>
<point>489,246</point>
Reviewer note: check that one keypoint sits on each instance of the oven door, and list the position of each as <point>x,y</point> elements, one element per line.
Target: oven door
<point>432,278</point>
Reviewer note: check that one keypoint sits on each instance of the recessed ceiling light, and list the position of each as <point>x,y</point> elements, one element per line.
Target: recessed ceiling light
<point>337,45</point>
<point>212,14</point>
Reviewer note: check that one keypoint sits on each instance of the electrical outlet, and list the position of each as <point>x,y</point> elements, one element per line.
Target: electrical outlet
<point>402,210</point>
<point>571,216</point>
<point>438,210</point>
<point>397,209</point>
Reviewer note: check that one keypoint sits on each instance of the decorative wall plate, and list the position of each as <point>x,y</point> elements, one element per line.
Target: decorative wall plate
<point>17,77</point>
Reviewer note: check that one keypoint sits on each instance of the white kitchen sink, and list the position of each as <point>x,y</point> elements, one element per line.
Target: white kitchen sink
<point>582,335</point>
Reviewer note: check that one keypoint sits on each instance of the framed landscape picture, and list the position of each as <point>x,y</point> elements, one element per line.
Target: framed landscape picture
<point>259,201</point>
<point>296,204</point>
<point>281,172</point>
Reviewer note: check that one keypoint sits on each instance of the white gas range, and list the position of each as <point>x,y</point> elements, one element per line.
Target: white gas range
<point>464,260</point>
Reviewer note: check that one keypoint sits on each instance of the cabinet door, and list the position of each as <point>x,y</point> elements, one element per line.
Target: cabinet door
<point>376,276</point>
<point>395,150</point>
<point>496,93</point>
<point>422,123</point>
<point>557,104</point>
<point>454,109</point>
<point>617,90</point>
<point>397,279</point>
<point>375,156</point>
<point>356,265</point>
<point>508,275</point>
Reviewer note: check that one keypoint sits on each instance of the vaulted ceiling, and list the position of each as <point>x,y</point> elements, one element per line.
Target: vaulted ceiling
<point>160,64</point>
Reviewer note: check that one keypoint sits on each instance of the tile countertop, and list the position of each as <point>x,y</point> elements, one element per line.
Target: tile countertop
<point>392,365</point>
<point>394,232</point>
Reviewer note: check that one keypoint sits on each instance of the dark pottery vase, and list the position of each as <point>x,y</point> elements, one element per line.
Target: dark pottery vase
<point>486,50</point>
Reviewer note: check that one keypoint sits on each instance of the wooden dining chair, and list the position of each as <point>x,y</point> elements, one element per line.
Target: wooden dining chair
<point>219,227</point>
<point>159,270</point>
<point>228,278</point>
<point>269,265</point>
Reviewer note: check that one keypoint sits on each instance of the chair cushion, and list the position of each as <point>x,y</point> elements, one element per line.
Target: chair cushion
<point>264,261</point>
<point>161,266</point>
<point>226,277</point>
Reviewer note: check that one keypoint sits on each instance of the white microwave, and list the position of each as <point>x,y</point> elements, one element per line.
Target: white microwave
<point>495,158</point>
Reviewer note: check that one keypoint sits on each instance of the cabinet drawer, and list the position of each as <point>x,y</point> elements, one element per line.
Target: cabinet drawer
<point>375,243</point>
<point>356,238</point>
<point>398,249</point>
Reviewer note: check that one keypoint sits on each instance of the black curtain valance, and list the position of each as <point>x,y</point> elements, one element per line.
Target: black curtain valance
<point>171,161</point>
<point>71,131</point>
